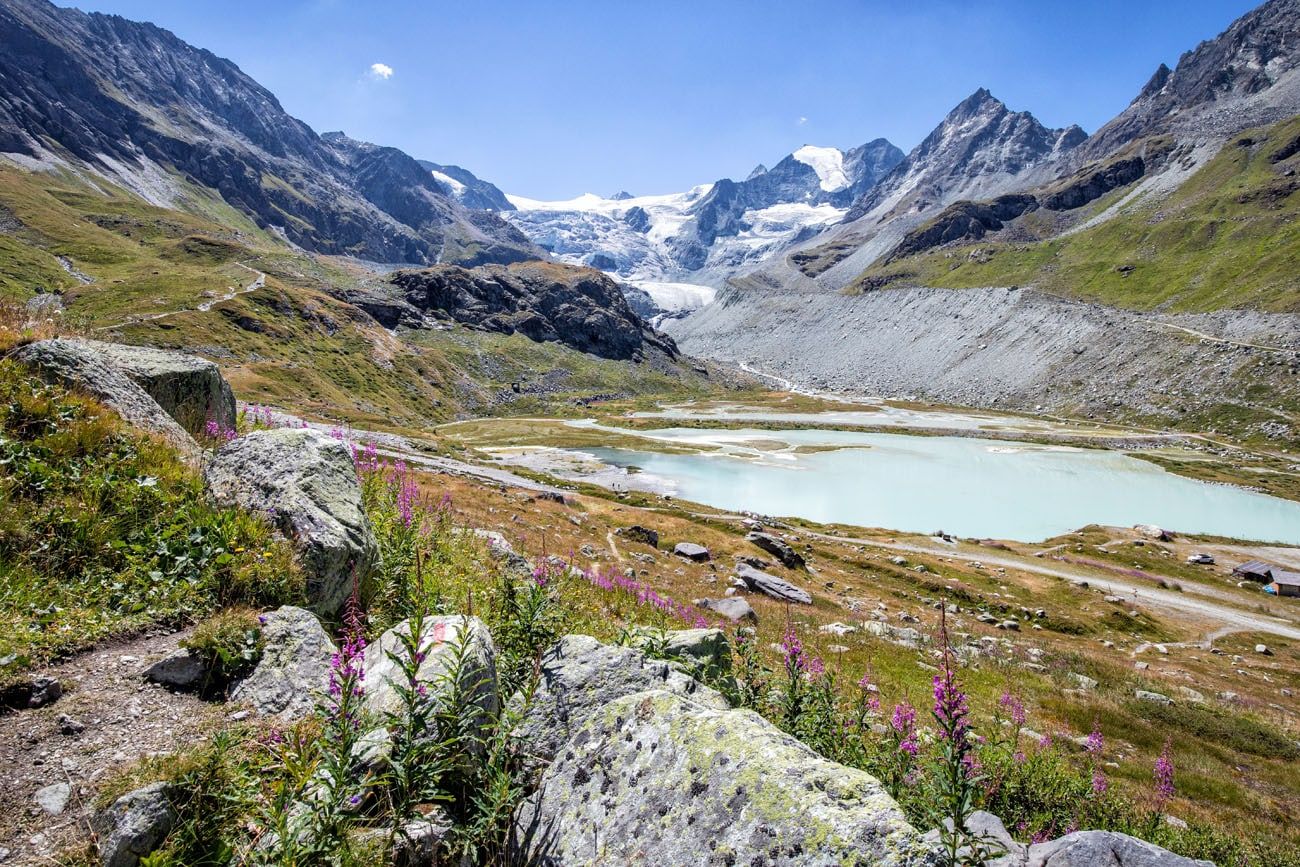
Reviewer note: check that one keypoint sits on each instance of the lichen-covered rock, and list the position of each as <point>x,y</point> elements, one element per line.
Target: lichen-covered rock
<point>79,364</point>
<point>290,678</point>
<point>135,825</point>
<point>305,482</point>
<point>579,676</point>
<point>770,585</point>
<point>789,558</point>
<point>702,650</point>
<point>655,778</point>
<point>190,389</point>
<point>440,643</point>
<point>1105,849</point>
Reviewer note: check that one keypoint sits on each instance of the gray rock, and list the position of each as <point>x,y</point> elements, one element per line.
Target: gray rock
<point>441,637</point>
<point>733,608</point>
<point>291,676</point>
<point>190,389</point>
<point>991,835</point>
<point>1081,681</point>
<point>1151,531</point>
<point>1155,697</point>
<point>704,650</point>
<point>135,825</point>
<point>1105,849</point>
<point>420,843</point>
<point>771,585</point>
<point>789,558</point>
<point>304,480</point>
<point>181,669</point>
<point>53,798</point>
<point>77,364</point>
<point>691,551</point>
<point>579,676</point>
<point>657,772</point>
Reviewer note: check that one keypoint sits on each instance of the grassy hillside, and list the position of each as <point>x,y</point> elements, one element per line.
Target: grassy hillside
<point>182,278</point>
<point>1228,237</point>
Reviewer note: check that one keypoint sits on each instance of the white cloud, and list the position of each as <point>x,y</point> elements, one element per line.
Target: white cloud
<point>802,121</point>
<point>381,71</point>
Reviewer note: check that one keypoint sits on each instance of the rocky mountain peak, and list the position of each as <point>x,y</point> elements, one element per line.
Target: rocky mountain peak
<point>979,148</point>
<point>1246,76</point>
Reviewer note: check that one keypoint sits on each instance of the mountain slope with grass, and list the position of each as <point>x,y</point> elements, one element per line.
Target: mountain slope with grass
<point>131,103</point>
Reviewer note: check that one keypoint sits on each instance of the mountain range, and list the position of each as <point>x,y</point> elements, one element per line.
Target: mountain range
<point>1026,243</point>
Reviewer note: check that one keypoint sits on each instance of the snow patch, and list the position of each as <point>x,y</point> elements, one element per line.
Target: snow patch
<point>828,163</point>
<point>674,297</point>
<point>457,188</point>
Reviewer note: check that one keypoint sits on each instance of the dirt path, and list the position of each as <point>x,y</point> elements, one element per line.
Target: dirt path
<point>1224,340</point>
<point>1231,618</point>
<point>258,282</point>
<point>123,720</point>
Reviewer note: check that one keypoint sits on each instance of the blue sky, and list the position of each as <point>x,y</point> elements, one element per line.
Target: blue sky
<point>553,99</point>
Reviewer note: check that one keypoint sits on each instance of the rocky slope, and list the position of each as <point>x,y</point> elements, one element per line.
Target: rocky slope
<point>579,307</point>
<point>132,103</point>
<point>467,188</point>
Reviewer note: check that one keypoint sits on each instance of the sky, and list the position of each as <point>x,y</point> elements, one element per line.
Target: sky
<point>554,99</point>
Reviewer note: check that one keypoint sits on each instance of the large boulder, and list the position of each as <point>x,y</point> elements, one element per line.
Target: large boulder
<point>579,676</point>
<point>191,389</point>
<point>135,825</point>
<point>443,640</point>
<point>305,482</point>
<point>702,651</point>
<point>78,364</point>
<point>290,678</point>
<point>1104,849</point>
<point>770,585</point>
<point>692,551</point>
<point>657,778</point>
<point>733,608</point>
<point>789,558</point>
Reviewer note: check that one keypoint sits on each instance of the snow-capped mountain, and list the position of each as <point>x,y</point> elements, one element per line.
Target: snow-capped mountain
<point>702,236</point>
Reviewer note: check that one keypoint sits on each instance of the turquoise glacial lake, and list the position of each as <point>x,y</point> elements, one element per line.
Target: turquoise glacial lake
<point>966,486</point>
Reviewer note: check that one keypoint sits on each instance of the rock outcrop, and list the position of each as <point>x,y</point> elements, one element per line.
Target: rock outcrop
<point>190,389</point>
<point>290,678</point>
<point>304,481</point>
<point>1094,848</point>
<point>579,676</point>
<point>79,364</point>
<point>656,777</point>
<point>547,302</point>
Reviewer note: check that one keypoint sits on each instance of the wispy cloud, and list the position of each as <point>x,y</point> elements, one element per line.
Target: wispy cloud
<point>381,71</point>
<point>801,121</point>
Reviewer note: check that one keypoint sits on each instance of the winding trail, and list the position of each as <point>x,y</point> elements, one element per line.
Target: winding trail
<point>1224,340</point>
<point>258,282</point>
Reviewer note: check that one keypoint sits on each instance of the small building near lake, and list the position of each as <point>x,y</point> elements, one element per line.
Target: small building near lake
<point>1285,583</point>
<point>1256,570</point>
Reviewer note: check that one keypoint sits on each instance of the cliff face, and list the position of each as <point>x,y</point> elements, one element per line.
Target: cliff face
<point>579,307</point>
<point>133,103</point>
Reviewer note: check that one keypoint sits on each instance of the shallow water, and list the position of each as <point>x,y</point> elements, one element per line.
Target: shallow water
<point>966,486</point>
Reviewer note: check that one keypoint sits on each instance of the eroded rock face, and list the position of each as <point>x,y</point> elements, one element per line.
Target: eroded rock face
<point>579,676</point>
<point>135,825</point>
<point>304,481</point>
<point>78,364</point>
<point>190,389</point>
<point>656,778</point>
<point>291,676</point>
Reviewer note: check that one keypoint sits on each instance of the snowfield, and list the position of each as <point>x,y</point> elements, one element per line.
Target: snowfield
<point>828,163</point>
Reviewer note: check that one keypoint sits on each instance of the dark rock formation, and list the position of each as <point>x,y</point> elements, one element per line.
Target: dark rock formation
<point>963,221</point>
<point>579,307</point>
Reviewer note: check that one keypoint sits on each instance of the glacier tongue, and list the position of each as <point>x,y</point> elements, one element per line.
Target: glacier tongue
<point>828,163</point>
